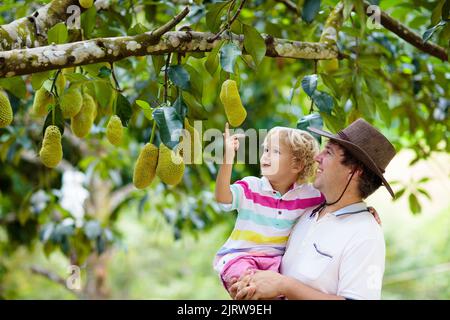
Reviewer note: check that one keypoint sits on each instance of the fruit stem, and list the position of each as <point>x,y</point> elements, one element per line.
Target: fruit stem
<point>153,131</point>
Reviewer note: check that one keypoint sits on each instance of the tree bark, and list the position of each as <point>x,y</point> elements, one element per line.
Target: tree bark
<point>28,61</point>
<point>31,31</point>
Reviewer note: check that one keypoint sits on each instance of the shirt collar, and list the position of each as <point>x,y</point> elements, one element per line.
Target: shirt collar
<point>351,209</point>
<point>266,186</point>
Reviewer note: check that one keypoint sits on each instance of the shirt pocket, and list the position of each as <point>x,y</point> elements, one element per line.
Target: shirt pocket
<point>315,261</point>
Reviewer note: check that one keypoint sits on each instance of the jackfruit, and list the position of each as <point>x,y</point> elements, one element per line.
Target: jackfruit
<point>86,3</point>
<point>71,102</point>
<point>60,84</point>
<point>235,111</point>
<point>192,147</point>
<point>114,130</point>
<point>145,168</point>
<point>42,99</point>
<point>6,113</point>
<point>82,122</point>
<point>51,152</point>
<point>170,168</point>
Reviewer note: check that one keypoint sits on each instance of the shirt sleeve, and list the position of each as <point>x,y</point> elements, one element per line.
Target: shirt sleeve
<point>361,270</point>
<point>237,195</point>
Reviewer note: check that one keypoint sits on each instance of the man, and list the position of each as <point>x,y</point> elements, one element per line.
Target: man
<point>337,251</point>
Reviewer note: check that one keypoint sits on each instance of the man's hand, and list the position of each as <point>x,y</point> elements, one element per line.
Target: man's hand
<point>231,144</point>
<point>259,285</point>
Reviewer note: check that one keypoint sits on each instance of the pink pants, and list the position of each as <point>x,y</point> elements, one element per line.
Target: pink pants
<point>237,266</point>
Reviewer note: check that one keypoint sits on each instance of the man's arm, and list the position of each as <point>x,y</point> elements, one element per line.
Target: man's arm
<point>270,285</point>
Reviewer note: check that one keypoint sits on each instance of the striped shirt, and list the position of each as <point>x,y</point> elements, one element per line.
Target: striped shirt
<point>265,217</point>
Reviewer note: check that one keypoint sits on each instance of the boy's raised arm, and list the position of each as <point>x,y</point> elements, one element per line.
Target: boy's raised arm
<point>231,145</point>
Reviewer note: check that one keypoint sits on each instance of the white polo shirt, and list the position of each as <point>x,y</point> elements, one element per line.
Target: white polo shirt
<point>343,253</point>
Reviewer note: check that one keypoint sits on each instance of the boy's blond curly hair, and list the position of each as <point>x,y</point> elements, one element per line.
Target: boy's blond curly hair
<point>303,147</point>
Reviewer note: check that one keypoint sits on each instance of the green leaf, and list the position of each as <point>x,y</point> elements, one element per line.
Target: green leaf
<point>123,109</point>
<point>331,84</point>
<point>148,111</point>
<point>59,120</point>
<point>195,108</point>
<point>254,44</point>
<point>57,34</point>
<point>212,62</point>
<point>310,10</point>
<point>180,107</point>
<point>103,93</point>
<point>323,101</point>
<point>179,76</point>
<point>76,77</point>
<point>445,14</point>
<point>138,28</point>
<point>213,18</point>
<point>37,79</point>
<point>309,84</point>
<point>414,204</point>
<point>425,193</point>
<point>158,62</point>
<point>92,229</point>
<point>429,33</point>
<point>15,85</point>
<point>170,124</point>
<point>88,21</point>
<point>228,56</point>
<point>104,72</point>
<point>196,81</point>
<point>399,193</point>
<point>312,120</point>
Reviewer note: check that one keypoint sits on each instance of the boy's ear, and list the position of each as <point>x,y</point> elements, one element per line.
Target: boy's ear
<point>298,166</point>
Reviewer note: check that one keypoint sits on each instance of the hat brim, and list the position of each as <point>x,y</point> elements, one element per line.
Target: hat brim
<point>357,152</point>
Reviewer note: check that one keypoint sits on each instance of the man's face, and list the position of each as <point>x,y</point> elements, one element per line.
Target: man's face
<point>331,175</point>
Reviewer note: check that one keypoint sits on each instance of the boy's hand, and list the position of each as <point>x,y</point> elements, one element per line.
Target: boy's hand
<point>231,144</point>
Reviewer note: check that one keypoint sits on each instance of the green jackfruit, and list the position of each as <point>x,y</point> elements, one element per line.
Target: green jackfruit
<point>86,3</point>
<point>51,152</point>
<point>6,113</point>
<point>60,84</point>
<point>81,124</point>
<point>145,168</point>
<point>42,99</point>
<point>114,130</point>
<point>170,168</point>
<point>192,147</point>
<point>71,102</point>
<point>235,111</point>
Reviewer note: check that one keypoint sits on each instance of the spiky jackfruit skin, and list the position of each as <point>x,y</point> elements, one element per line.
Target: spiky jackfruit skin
<point>71,102</point>
<point>51,152</point>
<point>170,168</point>
<point>86,3</point>
<point>60,84</point>
<point>145,168</point>
<point>195,147</point>
<point>42,99</point>
<point>229,95</point>
<point>114,130</point>
<point>6,113</point>
<point>81,124</point>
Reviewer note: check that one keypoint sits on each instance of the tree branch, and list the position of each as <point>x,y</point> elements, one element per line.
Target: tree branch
<point>28,61</point>
<point>31,31</point>
<point>410,36</point>
<point>399,29</point>
<point>52,277</point>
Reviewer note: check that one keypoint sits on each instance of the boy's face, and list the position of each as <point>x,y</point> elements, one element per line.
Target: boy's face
<point>277,162</point>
